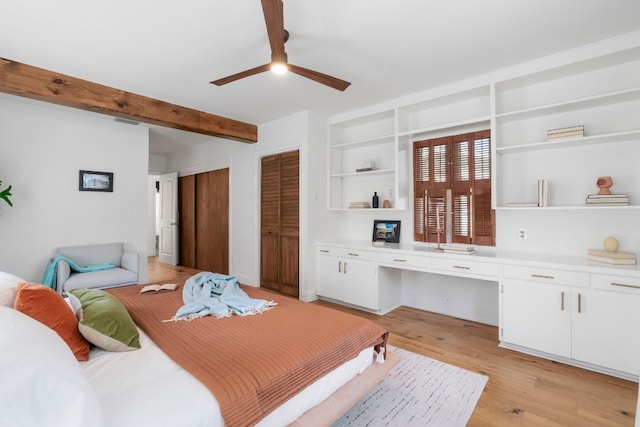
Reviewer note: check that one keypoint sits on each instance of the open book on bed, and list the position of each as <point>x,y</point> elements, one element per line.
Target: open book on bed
<point>159,288</point>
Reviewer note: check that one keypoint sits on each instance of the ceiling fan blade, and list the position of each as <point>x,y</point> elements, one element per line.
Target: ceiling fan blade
<point>325,79</point>
<point>274,19</point>
<point>241,75</point>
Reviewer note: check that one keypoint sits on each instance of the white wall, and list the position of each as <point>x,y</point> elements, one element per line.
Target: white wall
<point>243,160</point>
<point>42,148</point>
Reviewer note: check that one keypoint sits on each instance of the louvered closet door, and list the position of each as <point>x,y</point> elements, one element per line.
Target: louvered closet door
<point>279,224</point>
<point>289,224</point>
<point>270,223</point>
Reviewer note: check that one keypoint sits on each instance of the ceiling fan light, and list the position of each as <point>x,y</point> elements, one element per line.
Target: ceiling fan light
<point>278,67</point>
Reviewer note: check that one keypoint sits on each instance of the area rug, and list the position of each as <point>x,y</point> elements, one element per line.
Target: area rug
<point>419,391</point>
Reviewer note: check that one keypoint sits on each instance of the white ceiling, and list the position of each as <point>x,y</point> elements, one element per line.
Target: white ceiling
<point>171,50</point>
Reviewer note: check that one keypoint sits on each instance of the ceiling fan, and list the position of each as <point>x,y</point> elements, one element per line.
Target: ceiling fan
<point>274,18</point>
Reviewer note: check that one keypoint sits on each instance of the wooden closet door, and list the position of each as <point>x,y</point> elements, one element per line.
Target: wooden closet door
<point>279,224</point>
<point>289,223</point>
<point>204,221</point>
<point>187,220</point>
<point>218,227</point>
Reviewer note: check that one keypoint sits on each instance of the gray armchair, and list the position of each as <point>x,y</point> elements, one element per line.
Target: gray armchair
<point>124,273</point>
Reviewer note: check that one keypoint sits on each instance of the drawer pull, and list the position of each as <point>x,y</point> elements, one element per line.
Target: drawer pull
<point>462,267</point>
<point>399,260</point>
<point>624,285</point>
<point>324,250</point>
<point>579,303</point>
<point>542,276</point>
<point>352,254</point>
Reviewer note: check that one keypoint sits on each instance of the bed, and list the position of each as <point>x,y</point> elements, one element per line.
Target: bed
<point>158,385</point>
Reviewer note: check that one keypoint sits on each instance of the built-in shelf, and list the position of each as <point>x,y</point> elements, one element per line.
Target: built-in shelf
<point>550,144</point>
<point>581,103</point>
<point>578,208</point>
<point>363,174</point>
<point>449,127</point>
<point>385,139</point>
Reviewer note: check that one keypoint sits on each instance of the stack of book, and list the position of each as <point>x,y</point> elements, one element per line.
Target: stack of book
<point>359,205</point>
<point>569,132</point>
<point>620,258</point>
<point>607,199</point>
<point>458,249</point>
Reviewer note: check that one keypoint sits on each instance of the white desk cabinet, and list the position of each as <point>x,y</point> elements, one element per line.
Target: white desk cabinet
<point>343,276</point>
<point>606,325</point>
<point>562,308</point>
<point>594,322</point>
<point>537,316</point>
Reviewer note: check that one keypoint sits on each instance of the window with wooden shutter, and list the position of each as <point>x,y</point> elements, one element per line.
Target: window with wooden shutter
<point>452,176</point>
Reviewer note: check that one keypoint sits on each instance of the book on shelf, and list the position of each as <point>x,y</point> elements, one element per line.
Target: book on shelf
<point>566,129</point>
<point>159,288</point>
<point>449,251</point>
<point>612,255</point>
<point>607,201</point>
<point>359,205</point>
<point>605,196</point>
<point>575,134</point>
<point>543,193</point>
<point>615,261</point>
<point>568,132</point>
<point>458,248</point>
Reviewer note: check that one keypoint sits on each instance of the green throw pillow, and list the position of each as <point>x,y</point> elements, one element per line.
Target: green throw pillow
<point>105,322</point>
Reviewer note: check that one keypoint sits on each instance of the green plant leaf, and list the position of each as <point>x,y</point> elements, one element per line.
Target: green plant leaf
<point>4,194</point>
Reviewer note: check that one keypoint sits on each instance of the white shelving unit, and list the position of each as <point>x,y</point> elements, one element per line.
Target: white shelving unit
<point>600,93</point>
<point>354,144</point>
<point>603,94</point>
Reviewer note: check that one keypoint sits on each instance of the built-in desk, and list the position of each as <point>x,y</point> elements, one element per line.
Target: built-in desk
<point>560,307</point>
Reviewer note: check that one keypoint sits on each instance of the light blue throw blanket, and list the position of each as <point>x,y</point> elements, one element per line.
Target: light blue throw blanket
<point>218,295</point>
<point>51,271</point>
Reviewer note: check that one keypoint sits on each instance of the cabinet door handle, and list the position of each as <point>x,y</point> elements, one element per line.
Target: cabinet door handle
<point>624,285</point>
<point>579,303</point>
<point>339,266</point>
<point>344,270</point>
<point>352,254</point>
<point>562,301</point>
<point>542,276</point>
<point>462,267</point>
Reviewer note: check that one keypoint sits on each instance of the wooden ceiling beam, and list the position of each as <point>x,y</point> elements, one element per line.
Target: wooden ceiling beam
<point>37,83</point>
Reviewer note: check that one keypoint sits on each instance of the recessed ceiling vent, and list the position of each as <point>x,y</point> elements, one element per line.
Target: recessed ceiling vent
<point>129,122</point>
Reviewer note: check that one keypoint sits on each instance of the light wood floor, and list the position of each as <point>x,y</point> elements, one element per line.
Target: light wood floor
<point>522,390</point>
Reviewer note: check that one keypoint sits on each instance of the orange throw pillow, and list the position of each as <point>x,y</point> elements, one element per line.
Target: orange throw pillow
<point>49,308</point>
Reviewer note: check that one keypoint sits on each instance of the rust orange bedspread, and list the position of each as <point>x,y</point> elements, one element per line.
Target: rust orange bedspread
<point>255,363</point>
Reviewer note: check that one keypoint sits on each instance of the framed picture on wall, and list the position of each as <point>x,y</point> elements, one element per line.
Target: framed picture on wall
<point>386,231</point>
<point>96,181</point>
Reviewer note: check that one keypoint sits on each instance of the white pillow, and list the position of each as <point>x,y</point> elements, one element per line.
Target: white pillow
<point>8,284</point>
<point>42,383</point>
